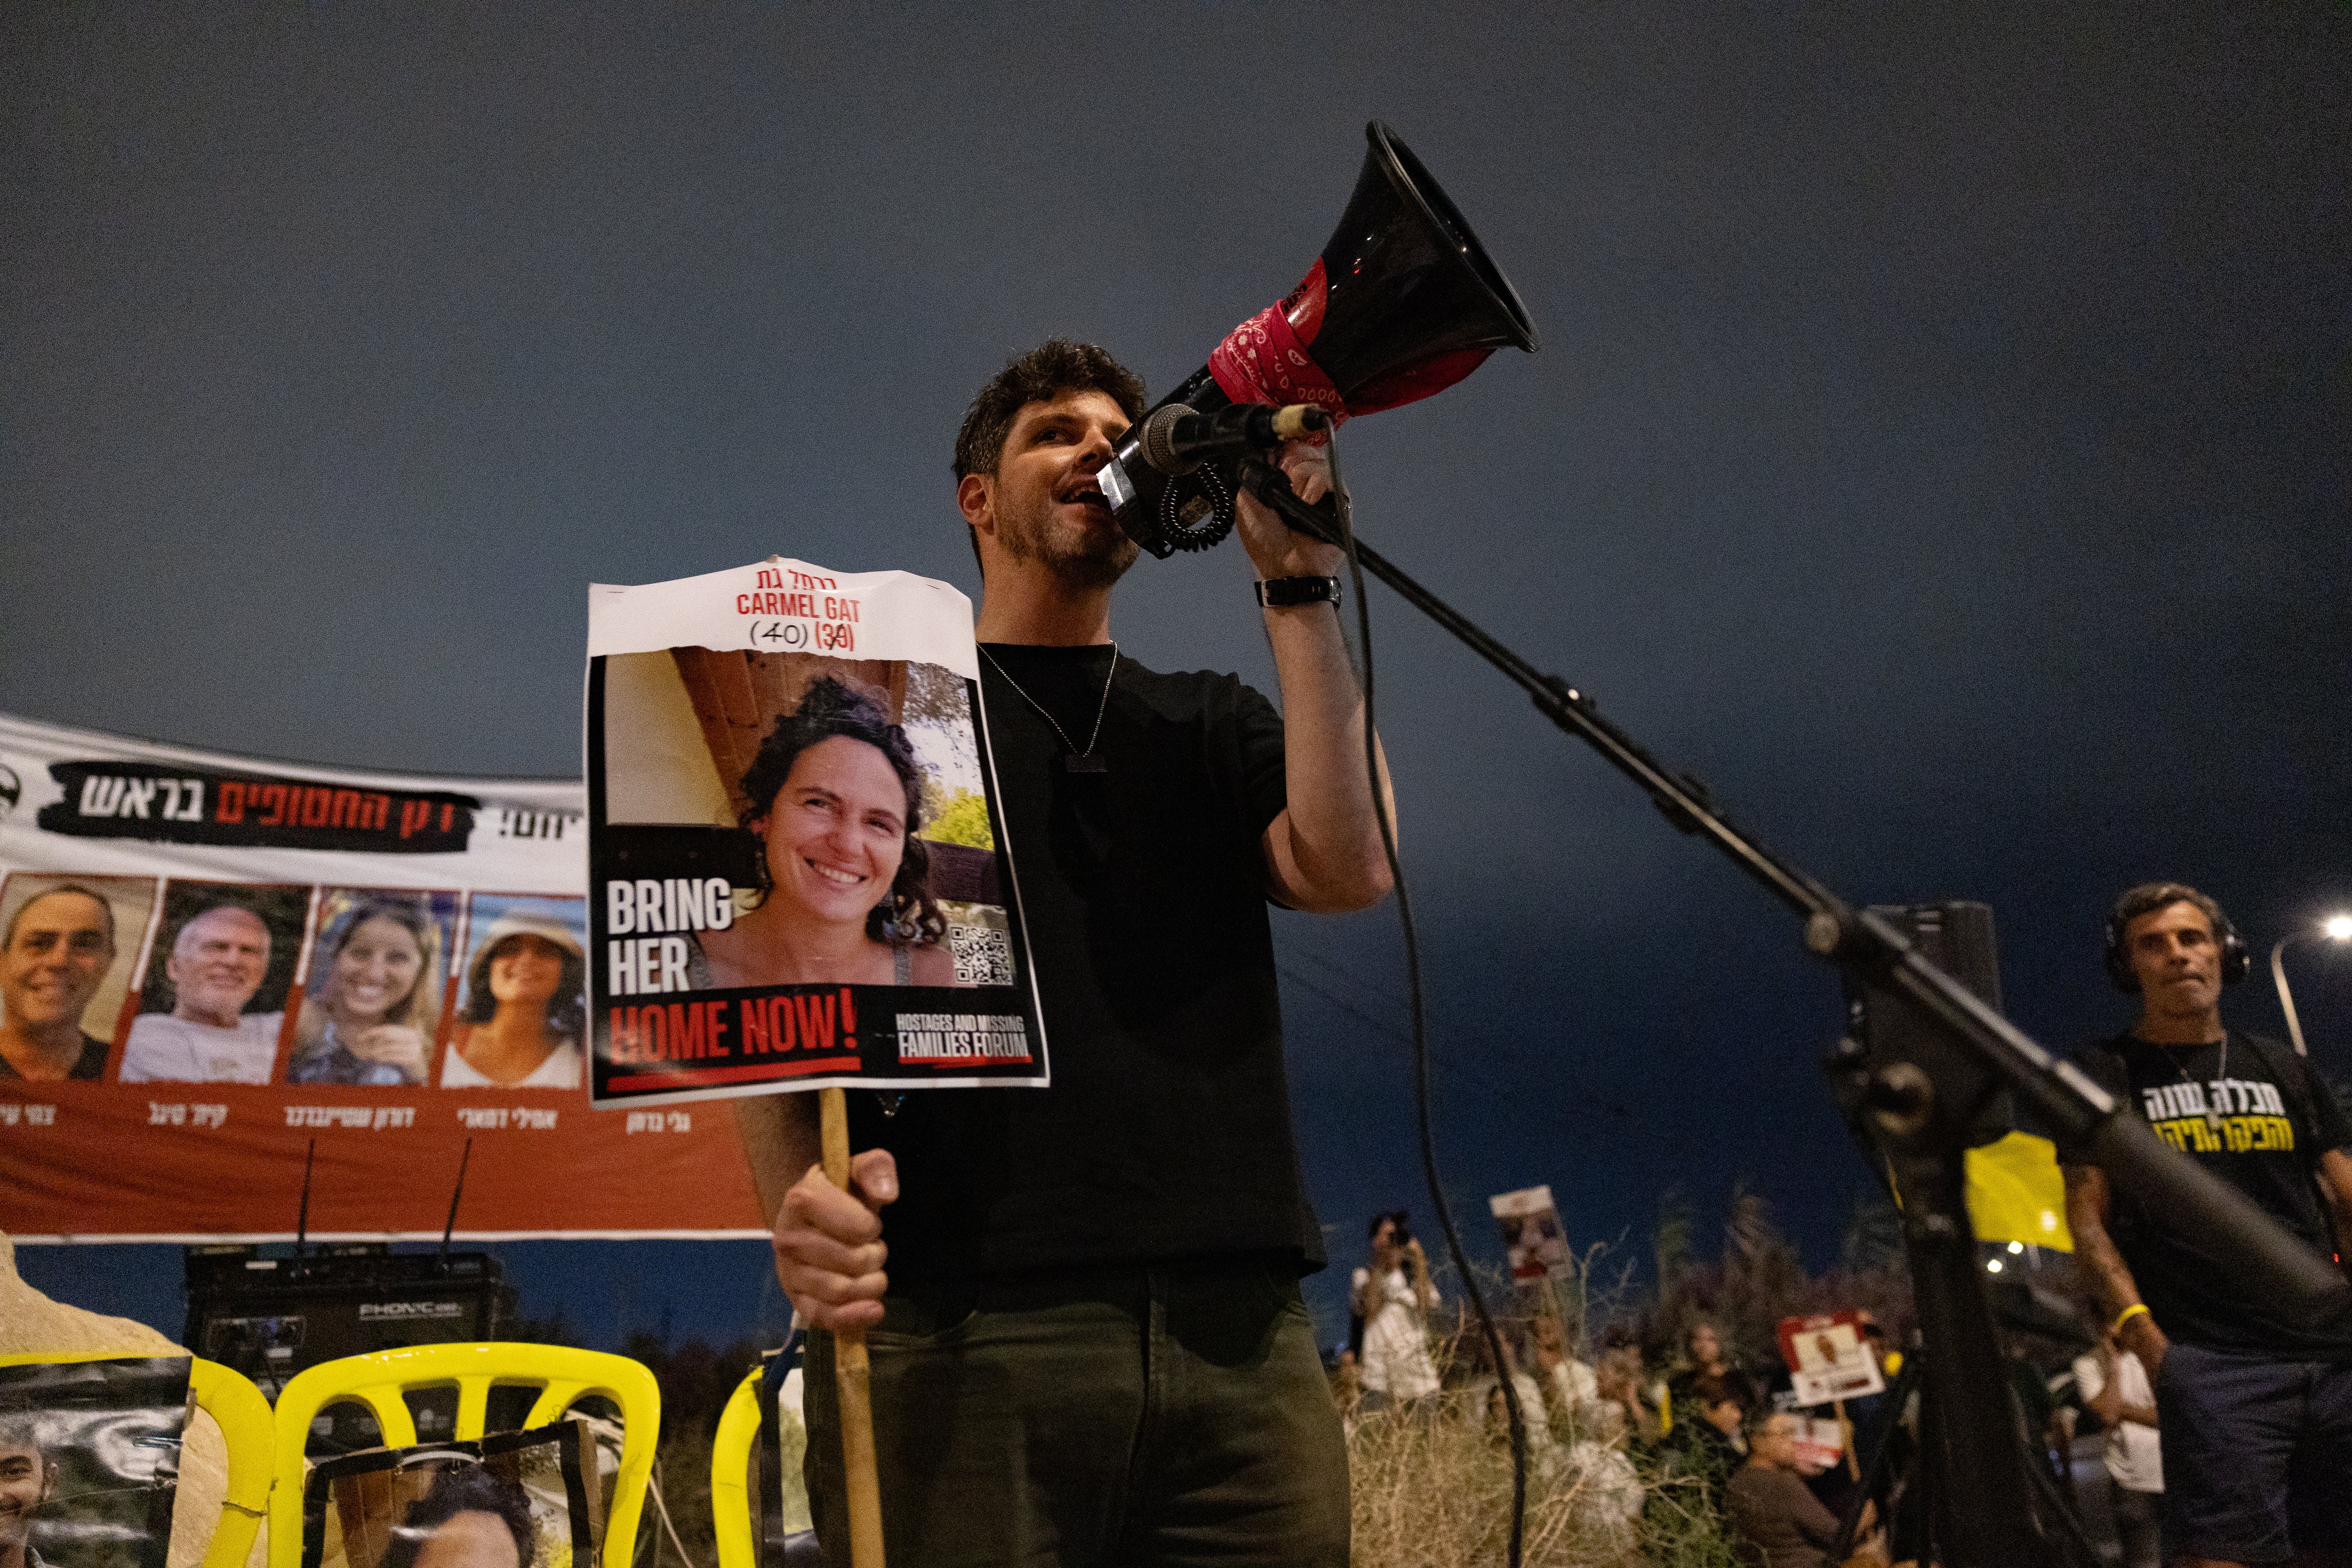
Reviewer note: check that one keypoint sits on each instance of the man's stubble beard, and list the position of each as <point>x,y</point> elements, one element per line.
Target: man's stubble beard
<point>1083,567</point>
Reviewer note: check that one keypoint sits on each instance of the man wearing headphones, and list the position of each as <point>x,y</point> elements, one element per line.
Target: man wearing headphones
<point>2256,1411</point>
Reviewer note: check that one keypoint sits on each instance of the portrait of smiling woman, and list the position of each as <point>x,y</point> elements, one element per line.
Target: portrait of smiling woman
<point>524,1012</point>
<point>368,1015</point>
<point>836,795</point>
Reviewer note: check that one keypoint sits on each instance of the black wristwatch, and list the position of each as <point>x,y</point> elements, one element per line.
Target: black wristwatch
<point>1281,593</point>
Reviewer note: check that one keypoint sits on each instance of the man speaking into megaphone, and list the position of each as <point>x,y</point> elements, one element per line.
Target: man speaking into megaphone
<point>1087,1340</point>
<point>1081,1302</point>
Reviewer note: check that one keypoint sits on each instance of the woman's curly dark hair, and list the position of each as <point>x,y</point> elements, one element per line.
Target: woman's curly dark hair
<point>909,917</point>
<point>567,1011</point>
<point>463,1488</point>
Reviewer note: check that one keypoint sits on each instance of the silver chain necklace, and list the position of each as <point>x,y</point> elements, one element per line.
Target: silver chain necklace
<point>2221,1071</point>
<point>1074,760</point>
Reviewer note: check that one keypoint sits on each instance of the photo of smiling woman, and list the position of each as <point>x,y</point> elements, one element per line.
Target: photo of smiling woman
<point>836,796</point>
<point>373,994</point>
<point>525,1009</point>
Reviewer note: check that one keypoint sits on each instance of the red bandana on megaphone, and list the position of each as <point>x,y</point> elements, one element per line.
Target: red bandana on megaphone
<point>1265,360</point>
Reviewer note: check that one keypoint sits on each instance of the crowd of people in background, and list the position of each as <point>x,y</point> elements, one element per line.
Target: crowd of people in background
<point>2179,1404</point>
<point>1722,1433</point>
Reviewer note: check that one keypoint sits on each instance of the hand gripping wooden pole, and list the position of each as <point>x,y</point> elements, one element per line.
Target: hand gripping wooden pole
<point>849,1369</point>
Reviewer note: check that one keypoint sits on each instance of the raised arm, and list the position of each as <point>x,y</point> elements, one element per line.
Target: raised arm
<point>2111,1277</point>
<point>1323,853</point>
<point>1416,1268</point>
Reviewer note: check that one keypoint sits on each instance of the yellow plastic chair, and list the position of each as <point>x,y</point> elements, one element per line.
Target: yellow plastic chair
<point>243,1415</point>
<point>730,1462</point>
<point>563,1375</point>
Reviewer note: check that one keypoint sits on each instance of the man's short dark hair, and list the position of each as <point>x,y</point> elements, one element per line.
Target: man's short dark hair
<point>2150,896</point>
<point>1710,1391</point>
<point>465,1488</point>
<point>8,937</point>
<point>1055,366</point>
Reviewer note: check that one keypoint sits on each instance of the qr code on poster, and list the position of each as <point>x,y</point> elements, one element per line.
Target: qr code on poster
<point>983,955</point>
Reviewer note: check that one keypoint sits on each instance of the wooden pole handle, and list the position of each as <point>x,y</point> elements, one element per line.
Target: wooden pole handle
<point>850,1368</point>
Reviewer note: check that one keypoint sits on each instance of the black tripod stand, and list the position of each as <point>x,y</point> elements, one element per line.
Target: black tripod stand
<point>1918,1102</point>
<point>1971,1444</point>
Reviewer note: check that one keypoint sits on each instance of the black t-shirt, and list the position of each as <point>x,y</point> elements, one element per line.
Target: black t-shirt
<point>2277,1118</point>
<point>89,1065</point>
<point>1167,1131</point>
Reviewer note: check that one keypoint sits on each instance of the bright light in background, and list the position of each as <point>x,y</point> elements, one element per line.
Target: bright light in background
<point>2017,1246</point>
<point>2336,928</point>
<point>1992,1265</point>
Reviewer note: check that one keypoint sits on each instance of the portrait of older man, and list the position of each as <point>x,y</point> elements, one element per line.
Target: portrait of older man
<point>218,962</point>
<point>54,952</point>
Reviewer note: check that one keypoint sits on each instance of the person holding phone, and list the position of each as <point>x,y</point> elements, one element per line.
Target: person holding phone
<point>1395,1297</point>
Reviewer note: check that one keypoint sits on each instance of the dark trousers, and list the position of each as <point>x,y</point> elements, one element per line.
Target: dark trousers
<point>2257,1456</point>
<point>1175,1415</point>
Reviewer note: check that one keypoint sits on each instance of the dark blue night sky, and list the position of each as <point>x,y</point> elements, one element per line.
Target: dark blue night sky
<point>1939,444</point>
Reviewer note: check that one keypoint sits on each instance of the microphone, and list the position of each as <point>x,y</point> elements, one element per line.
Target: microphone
<point>1175,441</point>
<point>1178,439</point>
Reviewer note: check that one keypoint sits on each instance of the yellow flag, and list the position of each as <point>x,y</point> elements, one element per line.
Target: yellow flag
<point>2015,1192</point>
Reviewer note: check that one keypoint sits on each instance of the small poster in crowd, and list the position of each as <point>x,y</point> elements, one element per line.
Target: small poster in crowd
<point>515,1499</point>
<point>1534,1243</point>
<point>1828,1358</point>
<point>89,1455</point>
<point>798,875</point>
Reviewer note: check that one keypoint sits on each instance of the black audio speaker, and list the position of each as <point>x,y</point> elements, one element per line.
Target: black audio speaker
<point>271,1318</point>
<point>1956,936</point>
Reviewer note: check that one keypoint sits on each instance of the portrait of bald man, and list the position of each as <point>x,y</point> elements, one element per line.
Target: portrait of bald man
<point>54,953</point>
<point>218,961</point>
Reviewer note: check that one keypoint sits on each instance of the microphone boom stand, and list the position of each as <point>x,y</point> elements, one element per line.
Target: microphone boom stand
<point>1918,1110</point>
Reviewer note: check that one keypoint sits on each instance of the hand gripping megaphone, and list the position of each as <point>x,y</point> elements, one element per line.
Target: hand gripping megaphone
<point>1402,303</point>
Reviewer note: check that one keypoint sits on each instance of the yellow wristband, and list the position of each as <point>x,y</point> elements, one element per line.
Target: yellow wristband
<point>2126,1315</point>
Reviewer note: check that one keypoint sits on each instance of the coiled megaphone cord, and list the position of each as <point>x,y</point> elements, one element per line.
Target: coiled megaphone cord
<point>1345,511</point>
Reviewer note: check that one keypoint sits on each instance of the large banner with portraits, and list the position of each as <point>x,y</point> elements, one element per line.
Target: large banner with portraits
<point>211,965</point>
<point>798,874</point>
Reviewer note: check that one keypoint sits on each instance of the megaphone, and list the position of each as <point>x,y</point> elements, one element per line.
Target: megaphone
<point>1404,302</point>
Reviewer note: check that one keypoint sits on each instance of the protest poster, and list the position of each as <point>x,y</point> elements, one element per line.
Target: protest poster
<point>210,962</point>
<point>1534,1244</point>
<point>511,1499</point>
<point>798,874</point>
<point>89,1461</point>
<point>1828,1358</point>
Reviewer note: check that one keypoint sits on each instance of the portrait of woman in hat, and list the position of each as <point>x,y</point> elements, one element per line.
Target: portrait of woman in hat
<point>525,1010</point>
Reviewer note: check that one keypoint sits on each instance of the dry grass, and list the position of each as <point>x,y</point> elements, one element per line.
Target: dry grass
<point>1434,1490</point>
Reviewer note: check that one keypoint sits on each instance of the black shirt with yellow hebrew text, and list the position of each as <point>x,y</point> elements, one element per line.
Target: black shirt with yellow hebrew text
<point>2258,1117</point>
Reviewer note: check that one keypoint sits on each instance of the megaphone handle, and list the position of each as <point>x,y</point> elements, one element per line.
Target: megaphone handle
<point>1271,486</point>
